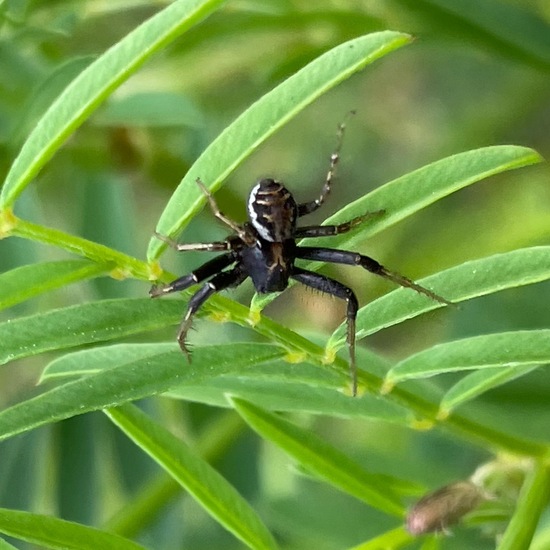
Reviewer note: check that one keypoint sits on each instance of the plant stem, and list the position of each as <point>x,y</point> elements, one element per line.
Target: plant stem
<point>531,503</point>
<point>127,266</point>
<point>124,266</point>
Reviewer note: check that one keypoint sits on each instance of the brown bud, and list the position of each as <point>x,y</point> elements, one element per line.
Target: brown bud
<point>444,507</point>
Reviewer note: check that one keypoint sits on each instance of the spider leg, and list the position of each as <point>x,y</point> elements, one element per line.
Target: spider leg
<point>330,230</point>
<point>335,288</point>
<point>206,270</point>
<point>219,282</point>
<point>239,229</point>
<point>309,207</point>
<point>353,258</point>
<point>217,246</point>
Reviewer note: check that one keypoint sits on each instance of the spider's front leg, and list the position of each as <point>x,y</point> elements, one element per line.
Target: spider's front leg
<point>200,274</point>
<point>217,246</point>
<point>335,288</point>
<point>309,207</point>
<point>219,282</point>
<point>241,231</point>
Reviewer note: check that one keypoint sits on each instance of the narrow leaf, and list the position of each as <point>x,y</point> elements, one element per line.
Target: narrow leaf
<point>511,29</point>
<point>506,349</point>
<point>463,282</point>
<point>325,461</point>
<point>151,375</point>
<point>262,119</point>
<point>89,361</point>
<point>94,84</point>
<point>6,545</point>
<point>206,485</point>
<point>279,394</point>
<point>51,532</point>
<point>391,540</point>
<point>410,193</point>
<point>275,384</point>
<point>477,383</point>
<point>28,281</point>
<point>83,324</point>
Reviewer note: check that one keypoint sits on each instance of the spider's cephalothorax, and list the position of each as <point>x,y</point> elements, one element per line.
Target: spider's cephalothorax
<point>265,250</point>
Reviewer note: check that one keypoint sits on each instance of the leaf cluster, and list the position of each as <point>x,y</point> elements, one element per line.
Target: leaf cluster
<point>112,346</point>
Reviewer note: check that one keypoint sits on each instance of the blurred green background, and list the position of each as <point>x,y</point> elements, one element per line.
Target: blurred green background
<point>477,75</point>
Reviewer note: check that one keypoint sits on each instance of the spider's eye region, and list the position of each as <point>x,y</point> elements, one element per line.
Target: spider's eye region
<point>272,211</point>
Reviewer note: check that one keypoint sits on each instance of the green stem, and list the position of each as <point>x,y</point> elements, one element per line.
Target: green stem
<point>128,266</point>
<point>124,266</point>
<point>531,503</point>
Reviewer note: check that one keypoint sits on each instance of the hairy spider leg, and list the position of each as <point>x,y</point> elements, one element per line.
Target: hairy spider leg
<point>219,282</point>
<point>217,246</point>
<point>309,207</point>
<point>331,230</point>
<point>239,229</point>
<point>334,256</point>
<point>208,269</point>
<point>335,288</point>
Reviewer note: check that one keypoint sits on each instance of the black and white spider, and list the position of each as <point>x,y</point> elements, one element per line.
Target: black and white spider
<point>264,249</point>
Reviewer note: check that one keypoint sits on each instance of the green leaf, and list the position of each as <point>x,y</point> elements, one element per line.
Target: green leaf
<point>469,280</point>
<point>477,383</point>
<point>274,384</point>
<point>262,119</point>
<point>6,545</point>
<point>90,361</point>
<point>28,281</point>
<point>410,193</point>
<point>129,381</point>
<point>391,540</point>
<point>317,456</point>
<point>83,324</point>
<point>150,109</point>
<point>45,94</point>
<point>510,29</point>
<point>148,502</point>
<point>51,532</point>
<point>94,84</point>
<point>505,349</point>
<point>286,394</point>
<point>533,499</point>
<point>206,485</point>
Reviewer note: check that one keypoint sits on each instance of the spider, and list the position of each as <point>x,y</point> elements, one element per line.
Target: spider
<point>264,248</point>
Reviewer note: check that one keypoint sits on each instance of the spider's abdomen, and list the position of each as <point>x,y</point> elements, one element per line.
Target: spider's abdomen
<point>269,264</point>
<point>272,211</point>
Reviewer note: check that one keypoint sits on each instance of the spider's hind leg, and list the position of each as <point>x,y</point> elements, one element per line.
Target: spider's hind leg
<point>335,288</point>
<point>334,256</point>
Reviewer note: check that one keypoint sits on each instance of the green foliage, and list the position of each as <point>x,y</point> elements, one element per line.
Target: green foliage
<point>83,119</point>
